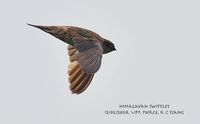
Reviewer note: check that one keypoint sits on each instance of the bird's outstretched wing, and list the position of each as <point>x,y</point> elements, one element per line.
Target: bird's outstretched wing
<point>85,58</point>
<point>89,54</point>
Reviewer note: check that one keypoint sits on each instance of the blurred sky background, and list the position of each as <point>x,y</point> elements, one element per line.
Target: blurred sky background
<point>157,61</point>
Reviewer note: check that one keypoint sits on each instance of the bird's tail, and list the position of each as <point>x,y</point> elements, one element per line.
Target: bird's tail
<point>79,80</point>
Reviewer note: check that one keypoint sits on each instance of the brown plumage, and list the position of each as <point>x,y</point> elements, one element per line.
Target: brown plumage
<point>85,51</point>
<point>79,80</point>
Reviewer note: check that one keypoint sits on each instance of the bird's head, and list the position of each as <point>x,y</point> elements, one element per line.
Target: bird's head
<point>108,46</point>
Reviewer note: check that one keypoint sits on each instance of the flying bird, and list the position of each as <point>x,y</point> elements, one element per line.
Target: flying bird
<point>85,50</point>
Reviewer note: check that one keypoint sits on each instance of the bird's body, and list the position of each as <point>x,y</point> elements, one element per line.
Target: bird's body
<point>80,32</point>
<point>85,50</point>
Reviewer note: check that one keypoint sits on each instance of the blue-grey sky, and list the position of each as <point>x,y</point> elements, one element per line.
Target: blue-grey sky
<point>157,61</point>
